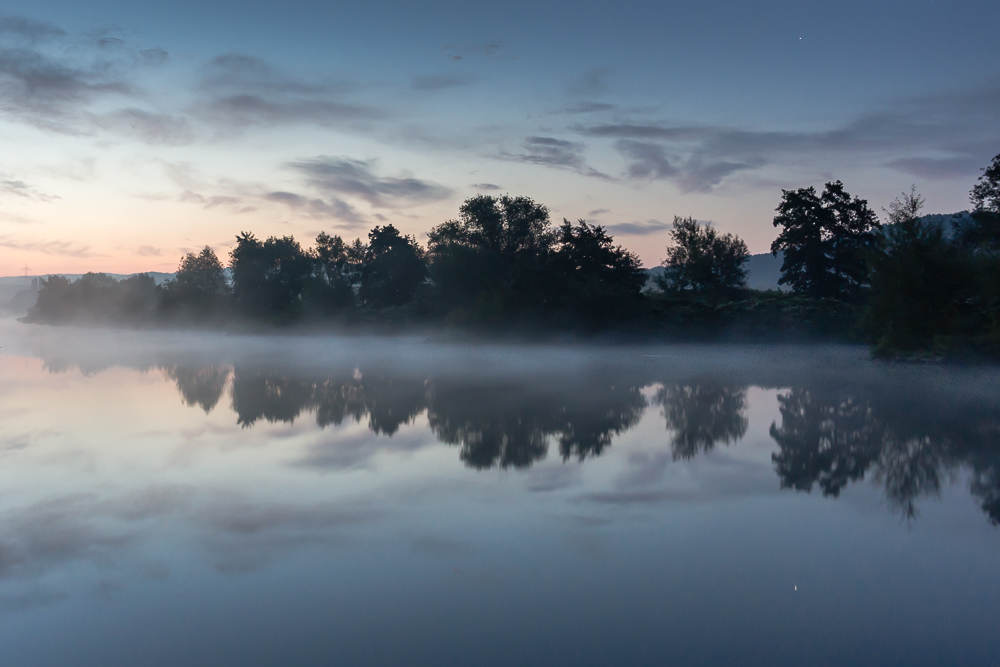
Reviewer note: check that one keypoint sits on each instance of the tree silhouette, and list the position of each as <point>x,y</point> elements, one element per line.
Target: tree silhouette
<point>701,261</point>
<point>824,240</point>
<point>393,268</point>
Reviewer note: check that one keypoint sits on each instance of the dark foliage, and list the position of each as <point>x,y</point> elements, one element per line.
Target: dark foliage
<point>825,240</point>
<point>200,289</point>
<point>393,268</point>
<point>703,262</point>
<point>96,298</point>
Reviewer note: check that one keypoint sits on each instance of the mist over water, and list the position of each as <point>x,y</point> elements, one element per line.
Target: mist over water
<point>220,499</point>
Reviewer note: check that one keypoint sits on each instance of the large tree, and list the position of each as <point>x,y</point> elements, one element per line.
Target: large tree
<point>393,268</point>
<point>825,239</point>
<point>269,276</point>
<point>702,261</point>
<point>493,256</point>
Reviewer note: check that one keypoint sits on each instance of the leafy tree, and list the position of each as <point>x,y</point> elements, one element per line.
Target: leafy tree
<point>393,268</point>
<point>337,272</point>
<point>985,194</point>
<point>202,274</point>
<point>984,232</point>
<point>825,240</point>
<point>269,276</point>
<point>921,283</point>
<point>589,278</point>
<point>493,256</point>
<point>702,261</point>
<point>199,287</point>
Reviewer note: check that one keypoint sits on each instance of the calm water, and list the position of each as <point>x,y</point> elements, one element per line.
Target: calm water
<point>170,499</point>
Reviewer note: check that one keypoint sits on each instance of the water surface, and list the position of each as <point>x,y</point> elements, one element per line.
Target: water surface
<point>175,498</point>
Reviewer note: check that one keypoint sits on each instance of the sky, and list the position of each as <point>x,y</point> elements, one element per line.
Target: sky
<point>134,132</point>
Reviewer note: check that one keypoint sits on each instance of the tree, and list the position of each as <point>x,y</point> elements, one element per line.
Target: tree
<point>593,278</point>
<point>984,232</point>
<point>825,240</point>
<point>921,283</point>
<point>393,268</point>
<point>268,277</point>
<point>336,274</point>
<point>202,274</point>
<point>702,261</point>
<point>493,256</point>
<point>985,194</point>
<point>199,287</point>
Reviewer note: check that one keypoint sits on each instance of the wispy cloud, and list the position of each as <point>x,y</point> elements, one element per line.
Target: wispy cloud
<point>18,188</point>
<point>941,136</point>
<point>349,177</point>
<point>242,90</point>
<point>552,152</point>
<point>638,228</point>
<point>486,186</point>
<point>318,208</point>
<point>62,248</point>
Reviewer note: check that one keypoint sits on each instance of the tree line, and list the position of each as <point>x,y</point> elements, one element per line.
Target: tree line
<point>905,286</point>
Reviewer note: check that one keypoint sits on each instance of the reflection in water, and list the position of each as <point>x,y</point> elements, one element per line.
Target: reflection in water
<point>701,415</point>
<point>911,445</point>
<point>509,425</point>
<point>200,386</point>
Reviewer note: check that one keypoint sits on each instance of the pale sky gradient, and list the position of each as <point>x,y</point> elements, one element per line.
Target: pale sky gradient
<point>133,132</point>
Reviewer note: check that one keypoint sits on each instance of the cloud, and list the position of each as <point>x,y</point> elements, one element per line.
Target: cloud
<point>638,228</point>
<point>22,189</point>
<point>63,248</point>
<point>318,208</point>
<point>485,186</point>
<point>940,136</point>
<point>242,90</point>
<point>587,107</point>
<point>148,127</point>
<point>28,28</point>
<point>438,82</point>
<point>598,211</point>
<point>350,177</point>
<point>148,251</point>
<point>593,82</point>
<point>553,152</point>
<point>54,82</point>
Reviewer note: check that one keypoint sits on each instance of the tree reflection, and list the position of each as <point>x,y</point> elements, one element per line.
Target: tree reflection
<point>828,440</point>
<point>200,386</point>
<point>910,445</point>
<point>509,425</point>
<point>497,424</point>
<point>701,415</point>
<point>274,396</point>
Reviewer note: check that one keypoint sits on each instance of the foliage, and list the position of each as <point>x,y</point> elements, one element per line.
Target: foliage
<point>393,268</point>
<point>825,240</point>
<point>200,288</point>
<point>96,298</point>
<point>926,290</point>
<point>702,261</point>
<point>490,261</point>
<point>269,276</point>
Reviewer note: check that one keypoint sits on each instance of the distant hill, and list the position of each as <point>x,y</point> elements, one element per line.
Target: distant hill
<point>23,282</point>
<point>764,270</point>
